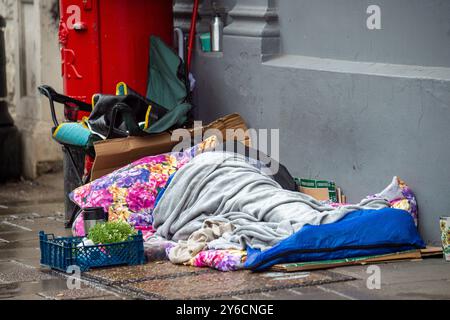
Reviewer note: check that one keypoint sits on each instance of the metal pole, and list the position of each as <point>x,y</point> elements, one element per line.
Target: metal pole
<point>192,34</point>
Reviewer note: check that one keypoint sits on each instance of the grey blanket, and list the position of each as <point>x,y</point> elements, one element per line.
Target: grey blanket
<point>223,186</point>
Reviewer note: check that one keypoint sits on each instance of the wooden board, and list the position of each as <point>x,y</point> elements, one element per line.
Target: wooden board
<point>315,265</point>
<point>431,252</point>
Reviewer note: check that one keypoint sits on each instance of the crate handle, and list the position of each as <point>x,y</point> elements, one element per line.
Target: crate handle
<point>52,236</point>
<point>44,236</point>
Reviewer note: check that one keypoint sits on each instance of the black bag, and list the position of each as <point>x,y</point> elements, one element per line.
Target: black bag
<point>281,175</point>
<point>120,116</point>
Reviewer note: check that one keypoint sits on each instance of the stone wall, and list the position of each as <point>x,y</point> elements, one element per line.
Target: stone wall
<point>8,9</point>
<point>32,59</point>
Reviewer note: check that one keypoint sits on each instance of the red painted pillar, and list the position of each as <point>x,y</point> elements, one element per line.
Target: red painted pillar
<point>104,42</point>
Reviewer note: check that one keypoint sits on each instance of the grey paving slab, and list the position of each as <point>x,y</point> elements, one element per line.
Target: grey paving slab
<point>351,290</point>
<point>51,209</point>
<point>22,238</point>
<point>32,296</point>
<point>404,272</point>
<point>33,262</point>
<point>20,253</point>
<point>13,271</point>
<point>74,294</point>
<point>302,293</point>
<point>18,289</point>
<point>14,245</point>
<point>8,228</point>
<point>211,285</point>
<point>46,224</point>
<point>19,236</point>
<point>139,273</point>
<point>46,187</point>
<point>426,279</point>
<point>108,297</point>
<point>423,290</point>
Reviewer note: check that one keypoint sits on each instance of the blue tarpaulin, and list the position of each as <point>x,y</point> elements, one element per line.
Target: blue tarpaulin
<point>359,233</point>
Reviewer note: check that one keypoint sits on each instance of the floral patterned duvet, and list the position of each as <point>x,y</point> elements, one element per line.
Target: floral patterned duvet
<point>130,193</point>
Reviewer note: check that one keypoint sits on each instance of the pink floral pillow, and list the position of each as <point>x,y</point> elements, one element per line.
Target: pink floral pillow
<point>129,193</point>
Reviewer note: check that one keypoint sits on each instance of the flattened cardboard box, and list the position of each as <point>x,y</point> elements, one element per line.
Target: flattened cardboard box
<point>116,153</point>
<point>113,154</point>
<point>317,193</point>
<point>318,189</point>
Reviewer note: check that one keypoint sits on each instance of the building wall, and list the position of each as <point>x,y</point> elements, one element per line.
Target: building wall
<point>32,59</point>
<point>353,105</point>
<point>8,10</point>
<point>413,32</point>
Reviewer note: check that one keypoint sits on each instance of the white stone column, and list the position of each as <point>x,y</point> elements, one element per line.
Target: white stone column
<point>257,19</point>
<point>33,59</point>
<point>8,9</point>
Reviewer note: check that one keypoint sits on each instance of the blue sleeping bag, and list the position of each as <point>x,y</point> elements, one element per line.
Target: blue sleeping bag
<point>359,233</point>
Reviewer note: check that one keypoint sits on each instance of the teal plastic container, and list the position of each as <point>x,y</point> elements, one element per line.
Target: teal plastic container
<point>205,40</point>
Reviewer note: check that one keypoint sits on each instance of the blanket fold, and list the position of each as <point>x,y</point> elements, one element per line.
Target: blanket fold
<point>198,240</point>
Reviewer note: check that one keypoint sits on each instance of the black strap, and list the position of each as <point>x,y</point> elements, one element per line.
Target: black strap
<point>53,96</point>
<point>127,114</point>
<point>73,216</point>
<point>60,98</point>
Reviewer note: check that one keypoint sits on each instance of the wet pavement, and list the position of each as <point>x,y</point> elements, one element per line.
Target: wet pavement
<point>28,207</point>
<point>25,209</point>
<point>163,280</point>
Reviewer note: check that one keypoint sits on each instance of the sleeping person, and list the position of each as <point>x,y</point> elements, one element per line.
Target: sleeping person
<point>212,207</point>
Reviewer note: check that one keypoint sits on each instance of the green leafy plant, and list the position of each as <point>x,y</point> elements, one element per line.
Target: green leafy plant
<point>110,232</point>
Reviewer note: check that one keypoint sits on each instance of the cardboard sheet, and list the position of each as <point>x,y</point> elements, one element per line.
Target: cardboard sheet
<point>327,264</point>
<point>316,193</point>
<point>113,154</point>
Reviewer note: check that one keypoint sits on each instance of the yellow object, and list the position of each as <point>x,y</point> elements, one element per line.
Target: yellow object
<point>119,86</point>
<point>147,116</point>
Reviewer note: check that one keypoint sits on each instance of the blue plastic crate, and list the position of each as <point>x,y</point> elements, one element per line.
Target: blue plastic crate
<point>60,253</point>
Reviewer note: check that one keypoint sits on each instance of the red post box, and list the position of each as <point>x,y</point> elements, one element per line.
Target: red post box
<point>104,42</point>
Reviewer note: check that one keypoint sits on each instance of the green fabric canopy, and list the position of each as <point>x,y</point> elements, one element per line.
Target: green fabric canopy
<point>165,86</point>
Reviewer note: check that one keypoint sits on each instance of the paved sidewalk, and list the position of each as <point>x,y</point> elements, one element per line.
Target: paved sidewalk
<point>26,208</point>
